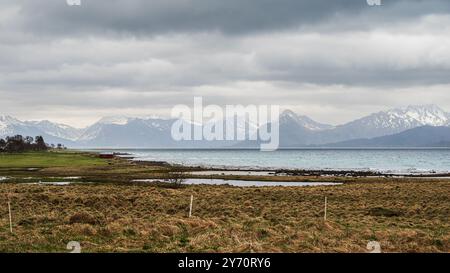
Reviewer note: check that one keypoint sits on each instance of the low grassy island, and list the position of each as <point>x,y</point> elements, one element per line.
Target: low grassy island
<point>102,207</point>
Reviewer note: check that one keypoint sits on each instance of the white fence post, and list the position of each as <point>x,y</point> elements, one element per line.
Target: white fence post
<point>190,206</point>
<point>10,217</point>
<point>325,210</point>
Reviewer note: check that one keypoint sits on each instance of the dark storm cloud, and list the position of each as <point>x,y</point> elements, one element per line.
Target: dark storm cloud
<point>109,55</point>
<point>144,17</point>
<point>160,16</point>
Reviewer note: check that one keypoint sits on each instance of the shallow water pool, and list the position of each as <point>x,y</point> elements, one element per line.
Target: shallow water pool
<point>243,183</point>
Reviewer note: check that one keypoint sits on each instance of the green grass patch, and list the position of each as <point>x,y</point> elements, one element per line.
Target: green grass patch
<point>49,159</point>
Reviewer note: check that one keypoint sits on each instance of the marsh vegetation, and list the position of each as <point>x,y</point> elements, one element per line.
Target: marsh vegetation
<point>114,214</point>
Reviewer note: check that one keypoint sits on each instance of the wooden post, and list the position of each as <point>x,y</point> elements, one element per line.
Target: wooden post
<point>10,217</point>
<point>190,207</point>
<point>325,210</point>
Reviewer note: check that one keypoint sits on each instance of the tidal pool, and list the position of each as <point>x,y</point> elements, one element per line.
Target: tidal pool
<point>242,183</point>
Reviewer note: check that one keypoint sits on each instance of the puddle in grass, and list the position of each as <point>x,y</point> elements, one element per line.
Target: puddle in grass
<point>242,183</point>
<point>57,183</point>
<point>250,173</point>
<point>51,183</point>
<point>64,178</point>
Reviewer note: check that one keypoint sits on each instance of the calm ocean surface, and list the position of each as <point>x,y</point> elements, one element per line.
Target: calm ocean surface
<point>386,160</point>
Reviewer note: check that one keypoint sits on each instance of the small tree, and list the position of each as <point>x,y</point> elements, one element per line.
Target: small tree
<point>40,143</point>
<point>176,177</point>
<point>15,144</point>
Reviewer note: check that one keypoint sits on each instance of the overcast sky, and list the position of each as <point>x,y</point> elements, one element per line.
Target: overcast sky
<point>334,60</point>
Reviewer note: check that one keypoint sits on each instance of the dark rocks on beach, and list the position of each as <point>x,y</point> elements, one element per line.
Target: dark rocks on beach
<point>328,172</point>
<point>153,163</point>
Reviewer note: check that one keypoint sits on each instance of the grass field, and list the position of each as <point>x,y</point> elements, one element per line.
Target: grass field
<point>402,215</point>
<point>49,159</point>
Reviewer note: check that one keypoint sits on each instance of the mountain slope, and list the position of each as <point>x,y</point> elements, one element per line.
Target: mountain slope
<point>425,136</point>
<point>146,133</point>
<point>56,129</point>
<point>288,117</point>
<point>295,131</point>
<point>8,124</point>
<point>378,124</point>
<point>127,132</point>
<point>395,121</point>
<point>11,126</point>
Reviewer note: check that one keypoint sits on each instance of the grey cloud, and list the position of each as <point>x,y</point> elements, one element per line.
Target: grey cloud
<point>177,62</point>
<point>109,56</point>
<point>143,17</point>
<point>160,16</point>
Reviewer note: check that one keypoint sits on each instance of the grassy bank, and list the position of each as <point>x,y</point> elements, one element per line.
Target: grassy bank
<point>402,215</point>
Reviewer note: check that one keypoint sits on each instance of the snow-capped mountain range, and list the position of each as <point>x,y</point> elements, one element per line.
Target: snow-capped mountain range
<point>383,123</point>
<point>57,129</point>
<point>398,120</point>
<point>295,130</point>
<point>303,121</point>
<point>52,132</point>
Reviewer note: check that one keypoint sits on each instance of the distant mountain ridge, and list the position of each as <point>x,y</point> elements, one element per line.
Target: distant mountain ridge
<point>295,130</point>
<point>398,120</point>
<point>420,137</point>
<point>57,129</point>
<point>378,124</point>
<point>52,132</point>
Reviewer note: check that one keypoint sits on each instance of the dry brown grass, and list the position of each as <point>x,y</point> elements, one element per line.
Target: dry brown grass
<point>403,216</point>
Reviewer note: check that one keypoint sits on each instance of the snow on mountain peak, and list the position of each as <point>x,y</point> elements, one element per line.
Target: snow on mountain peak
<point>56,129</point>
<point>5,124</point>
<point>308,123</point>
<point>116,120</point>
<point>290,114</point>
<point>420,115</point>
<point>9,120</point>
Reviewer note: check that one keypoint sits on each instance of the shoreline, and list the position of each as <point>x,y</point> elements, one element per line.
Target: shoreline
<point>124,168</point>
<point>410,172</point>
<point>297,172</point>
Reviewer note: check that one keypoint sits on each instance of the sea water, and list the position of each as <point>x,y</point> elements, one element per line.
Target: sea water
<point>385,160</point>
